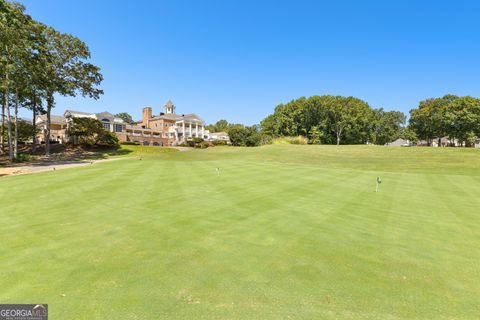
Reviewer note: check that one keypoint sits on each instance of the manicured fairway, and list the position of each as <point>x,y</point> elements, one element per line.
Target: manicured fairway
<point>283,232</point>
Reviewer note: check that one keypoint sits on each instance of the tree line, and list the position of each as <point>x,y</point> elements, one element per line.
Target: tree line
<point>240,135</point>
<point>334,120</point>
<point>457,118</point>
<point>37,63</point>
<point>349,120</point>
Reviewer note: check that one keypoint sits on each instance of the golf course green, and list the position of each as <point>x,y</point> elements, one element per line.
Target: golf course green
<point>274,232</point>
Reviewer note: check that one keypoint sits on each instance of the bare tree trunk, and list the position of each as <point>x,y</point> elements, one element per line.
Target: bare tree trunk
<point>34,124</point>
<point>47,131</point>
<point>15,136</point>
<point>339,133</point>
<point>9,126</point>
<point>2,142</point>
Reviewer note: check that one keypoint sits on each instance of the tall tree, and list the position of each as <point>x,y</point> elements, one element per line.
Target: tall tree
<point>323,119</point>
<point>431,120</point>
<point>219,126</point>
<point>67,72</point>
<point>35,76</point>
<point>14,26</point>
<point>349,118</point>
<point>386,126</point>
<point>464,114</point>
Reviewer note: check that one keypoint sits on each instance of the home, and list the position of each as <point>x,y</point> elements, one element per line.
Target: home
<point>477,144</point>
<point>175,128</point>
<point>222,136</point>
<point>164,129</point>
<point>440,142</point>
<point>58,128</point>
<point>400,143</point>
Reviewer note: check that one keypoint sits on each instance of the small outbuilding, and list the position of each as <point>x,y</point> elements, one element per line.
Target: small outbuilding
<point>399,143</point>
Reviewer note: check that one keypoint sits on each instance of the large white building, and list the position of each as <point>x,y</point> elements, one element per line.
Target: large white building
<point>164,129</point>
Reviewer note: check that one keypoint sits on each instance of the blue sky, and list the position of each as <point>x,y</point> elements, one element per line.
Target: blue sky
<point>237,60</point>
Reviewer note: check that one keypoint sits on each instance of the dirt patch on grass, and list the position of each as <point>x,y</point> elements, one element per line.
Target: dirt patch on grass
<point>50,165</point>
<point>12,171</point>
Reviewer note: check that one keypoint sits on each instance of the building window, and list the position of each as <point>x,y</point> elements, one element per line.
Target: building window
<point>106,126</point>
<point>118,128</point>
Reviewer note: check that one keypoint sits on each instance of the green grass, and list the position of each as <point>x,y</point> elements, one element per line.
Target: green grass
<point>284,232</point>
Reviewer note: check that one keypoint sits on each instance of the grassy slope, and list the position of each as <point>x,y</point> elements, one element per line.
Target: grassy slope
<point>283,232</point>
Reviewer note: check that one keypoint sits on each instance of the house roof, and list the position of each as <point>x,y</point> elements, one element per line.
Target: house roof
<point>192,116</point>
<point>168,117</point>
<point>98,116</point>
<point>53,119</point>
<point>78,112</point>
<point>105,115</point>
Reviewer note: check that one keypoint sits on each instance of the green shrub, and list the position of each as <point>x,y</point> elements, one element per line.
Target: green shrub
<point>245,136</point>
<point>106,139</point>
<point>290,140</point>
<point>22,157</point>
<point>219,143</point>
<point>266,139</point>
<point>202,145</point>
<point>86,141</point>
<point>197,140</point>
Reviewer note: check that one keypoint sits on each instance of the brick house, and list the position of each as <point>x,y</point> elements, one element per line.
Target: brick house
<point>58,127</point>
<point>165,129</point>
<point>175,128</point>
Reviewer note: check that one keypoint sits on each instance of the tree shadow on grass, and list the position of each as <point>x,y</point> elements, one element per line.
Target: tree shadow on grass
<point>104,154</point>
<point>67,156</point>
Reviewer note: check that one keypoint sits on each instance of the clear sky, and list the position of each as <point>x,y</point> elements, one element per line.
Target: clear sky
<point>237,60</point>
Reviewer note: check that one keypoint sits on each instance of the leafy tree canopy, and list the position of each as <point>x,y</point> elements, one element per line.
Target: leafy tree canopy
<point>125,117</point>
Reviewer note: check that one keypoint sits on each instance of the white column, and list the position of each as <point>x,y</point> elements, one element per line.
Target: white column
<point>183,129</point>
<point>190,129</point>
<point>196,130</point>
<point>203,131</point>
